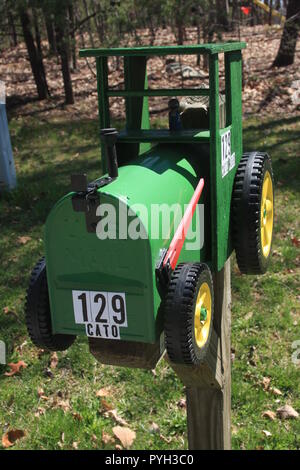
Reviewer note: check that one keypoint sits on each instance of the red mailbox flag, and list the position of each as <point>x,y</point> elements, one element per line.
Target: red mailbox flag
<point>182,229</point>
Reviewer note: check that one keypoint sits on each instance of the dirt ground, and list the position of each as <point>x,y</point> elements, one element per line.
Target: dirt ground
<point>266,91</point>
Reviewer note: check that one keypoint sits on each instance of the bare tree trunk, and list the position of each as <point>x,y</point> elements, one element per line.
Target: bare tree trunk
<point>270,11</point>
<point>96,11</point>
<point>50,32</point>
<point>99,23</point>
<point>152,31</point>
<point>61,30</point>
<point>12,28</point>
<point>286,52</point>
<point>39,44</point>
<point>86,8</point>
<point>222,14</point>
<point>208,34</point>
<point>37,31</point>
<point>198,41</point>
<point>234,14</point>
<point>72,34</point>
<point>36,60</point>
<point>252,17</point>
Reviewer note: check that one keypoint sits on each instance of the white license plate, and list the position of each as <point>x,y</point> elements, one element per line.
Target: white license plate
<point>102,313</point>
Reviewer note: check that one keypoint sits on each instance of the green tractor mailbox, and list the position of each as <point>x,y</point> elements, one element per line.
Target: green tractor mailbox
<point>134,296</point>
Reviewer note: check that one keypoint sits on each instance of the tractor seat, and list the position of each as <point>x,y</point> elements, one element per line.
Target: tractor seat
<point>194,112</point>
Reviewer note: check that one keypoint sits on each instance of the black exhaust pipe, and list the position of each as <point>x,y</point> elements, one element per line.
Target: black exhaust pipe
<point>109,137</point>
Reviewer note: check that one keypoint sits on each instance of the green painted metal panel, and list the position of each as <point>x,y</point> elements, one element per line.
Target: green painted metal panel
<point>215,160</point>
<point>233,83</point>
<point>164,135</point>
<point>161,92</point>
<point>221,184</point>
<point>78,260</point>
<point>164,50</point>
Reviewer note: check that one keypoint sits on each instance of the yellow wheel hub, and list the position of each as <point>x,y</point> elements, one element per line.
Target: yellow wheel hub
<point>202,314</point>
<point>266,214</point>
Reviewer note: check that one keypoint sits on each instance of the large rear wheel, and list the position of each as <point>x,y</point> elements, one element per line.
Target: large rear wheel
<point>253,212</point>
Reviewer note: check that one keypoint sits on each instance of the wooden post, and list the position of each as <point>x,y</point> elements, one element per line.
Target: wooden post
<point>208,386</point>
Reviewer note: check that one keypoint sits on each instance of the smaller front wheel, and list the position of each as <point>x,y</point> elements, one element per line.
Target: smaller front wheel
<point>38,316</point>
<point>188,313</point>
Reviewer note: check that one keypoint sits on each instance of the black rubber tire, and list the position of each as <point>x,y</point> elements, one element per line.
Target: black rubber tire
<point>179,306</point>
<point>246,200</point>
<point>38,316</point>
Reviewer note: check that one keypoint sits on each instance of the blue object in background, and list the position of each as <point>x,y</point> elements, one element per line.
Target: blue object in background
<point>7,166</point>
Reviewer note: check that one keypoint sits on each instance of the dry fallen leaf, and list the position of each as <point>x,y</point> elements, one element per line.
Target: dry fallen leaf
<point>7,310</point>
<point>103,392</point>
<point>269,414</point>
<point>15,368</point>
<point>154,427</point>
<point>287,412</point>
<point>106,405</point>
<point>75,445</point>
<point>276,391</point>
<point>295,241</point>
<point>113,414</point>
<point>53,360</point>
<point>267,433</point>
<point>266,383</point>
<point>10,437</point>
<point>165,439</point>
<point>125,435</point>
<point>40,411</point>
<point>107,438</point>
<point>77,416</point>
<point>63,404</point>
<point>23,240</point>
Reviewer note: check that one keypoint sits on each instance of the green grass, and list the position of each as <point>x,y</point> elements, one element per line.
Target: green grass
<point>264,325</point>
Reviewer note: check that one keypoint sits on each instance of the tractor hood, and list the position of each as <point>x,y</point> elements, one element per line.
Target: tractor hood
<point>107,277</point>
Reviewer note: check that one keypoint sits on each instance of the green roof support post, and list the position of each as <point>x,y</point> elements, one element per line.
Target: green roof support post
<point>215,147</point>
<point>233,91</point>
<point>103,101</point>
<point>137,110</point>
<point>221,185</point>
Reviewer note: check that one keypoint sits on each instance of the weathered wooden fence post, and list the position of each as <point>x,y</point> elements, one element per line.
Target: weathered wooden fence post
<point>208,386</point>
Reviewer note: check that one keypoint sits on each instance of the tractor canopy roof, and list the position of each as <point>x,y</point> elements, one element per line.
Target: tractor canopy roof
<point>149,51</point>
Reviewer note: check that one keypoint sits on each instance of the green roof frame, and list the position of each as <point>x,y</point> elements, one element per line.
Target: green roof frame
<point>149,51</point>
